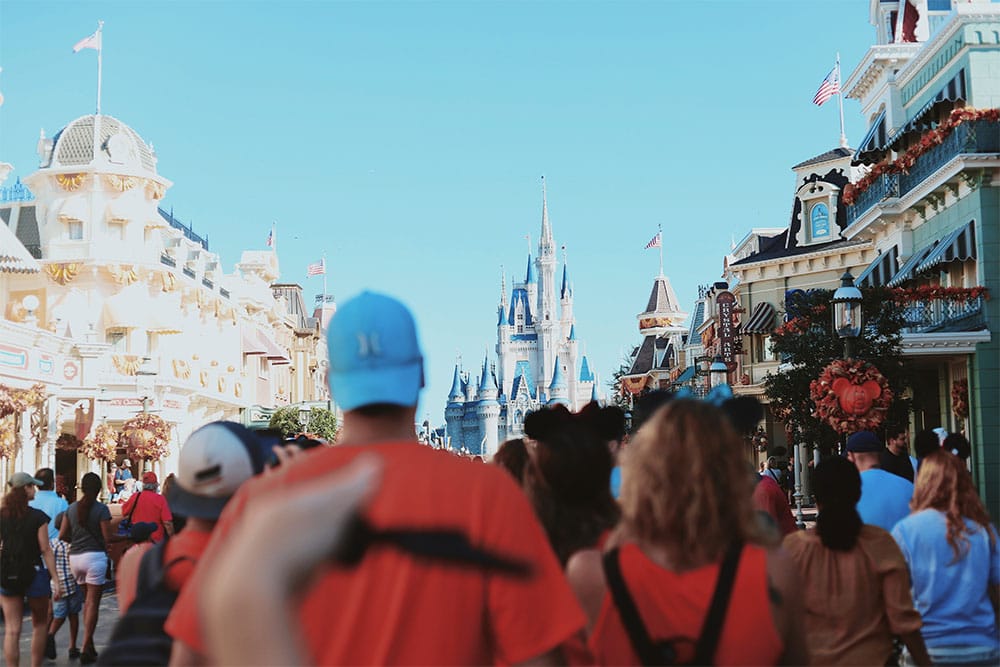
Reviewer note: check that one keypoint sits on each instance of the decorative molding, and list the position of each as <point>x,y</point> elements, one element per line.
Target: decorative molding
<point>168,282</point>
<point>959,342</point>
<point>62,273</point>
<point>126,364</point>
<point>181,369</point>
<point>124,274</point>
<point>155,190</point>
<point>71,182</point>
<point>121,183</point>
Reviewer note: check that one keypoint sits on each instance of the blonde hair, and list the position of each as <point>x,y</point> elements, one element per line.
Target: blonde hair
<point>944,484</point>
<point>685,485</point>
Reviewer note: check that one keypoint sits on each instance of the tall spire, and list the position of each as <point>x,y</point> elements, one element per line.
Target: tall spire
<point>546,244</point>
<point>529,276</point>
<point>566,291</point>
<point>456,386</point>
<point>503,294</point>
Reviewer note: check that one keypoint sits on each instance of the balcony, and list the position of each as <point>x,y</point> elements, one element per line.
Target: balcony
<point>167,260</point>
<point>977,136</point>
<point>944,316</point>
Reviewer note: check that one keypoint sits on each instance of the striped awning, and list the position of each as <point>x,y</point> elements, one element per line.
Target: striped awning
<point>14,257</point>
<point>761,320</point>
<point>875,140</point>
<point>958,246</point>
<point>881,270</point>
<point>909,270</point>
<point>685,376</point>
<point>923,119</point>
<point>251,342</point>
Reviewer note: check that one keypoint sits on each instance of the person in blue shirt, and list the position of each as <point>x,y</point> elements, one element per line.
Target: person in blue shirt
<point>47,500</point>
<point>885,498</point>
<point>952,552</point>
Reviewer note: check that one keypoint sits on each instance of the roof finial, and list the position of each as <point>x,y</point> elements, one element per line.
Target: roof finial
<point>546,242</point>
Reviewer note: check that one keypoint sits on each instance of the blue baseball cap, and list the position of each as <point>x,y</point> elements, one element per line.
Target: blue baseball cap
<point>374,353</point>
<point>863,441</point>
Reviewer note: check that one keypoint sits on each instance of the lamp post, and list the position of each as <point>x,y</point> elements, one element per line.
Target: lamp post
<point>305,412</point>
<point>717,372</point>
<point>846,303</point>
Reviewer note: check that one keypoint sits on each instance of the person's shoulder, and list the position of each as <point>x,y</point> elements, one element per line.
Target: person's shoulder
<point>799,541</point>
<point>38,515</point>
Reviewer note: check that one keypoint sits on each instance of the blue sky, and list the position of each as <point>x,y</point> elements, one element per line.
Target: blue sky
<point>406,139</point>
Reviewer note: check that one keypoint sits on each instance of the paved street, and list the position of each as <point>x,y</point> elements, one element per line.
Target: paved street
<point>105,623</point>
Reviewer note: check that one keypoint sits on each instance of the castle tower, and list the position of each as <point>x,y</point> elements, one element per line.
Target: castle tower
<point>547,327</point>
<point>488,412</point>
<point>455,409</point>
<point>558,391</point>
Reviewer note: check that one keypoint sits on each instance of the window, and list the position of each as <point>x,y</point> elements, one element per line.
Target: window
<point>819,221</point>
<point>75,230</point>
<point>118,340</point>
<point>262,367</point>
<point>152,343</point>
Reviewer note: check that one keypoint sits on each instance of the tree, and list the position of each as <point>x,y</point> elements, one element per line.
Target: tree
<point>806,343</point>
<point>617,397</point>
<point>322,422</point>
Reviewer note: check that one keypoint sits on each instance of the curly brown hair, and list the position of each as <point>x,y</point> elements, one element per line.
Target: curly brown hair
<point>944,484</point>
<point>685,486</point>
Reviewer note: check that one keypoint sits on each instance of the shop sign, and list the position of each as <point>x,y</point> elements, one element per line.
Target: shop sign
<point>727,325</point>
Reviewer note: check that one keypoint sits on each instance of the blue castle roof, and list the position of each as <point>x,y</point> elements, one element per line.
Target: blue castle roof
<point>558,379</point>
<point>520,295</point>
<point>529,277</point>
<point>593,394</point>
<point>586,375</point>
<point>564,292</point>
<point>456,386</point>
<point>572,332</point>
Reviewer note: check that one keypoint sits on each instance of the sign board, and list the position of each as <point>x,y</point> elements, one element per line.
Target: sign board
<point>726,331</point>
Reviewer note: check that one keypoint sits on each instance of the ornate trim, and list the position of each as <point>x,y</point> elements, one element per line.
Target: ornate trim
<point>124,274</point>
<point>71,182</point>
<point>62,273</point>
<point>181,369</point>
<point>121,183</point>
<point>168,282</point>
<point>126,364</point>
<point>155,190</point>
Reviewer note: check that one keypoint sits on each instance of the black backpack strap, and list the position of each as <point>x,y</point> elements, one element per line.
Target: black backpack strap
<point>151,569</point>
<point>637,634</point>
<point>704,653</point>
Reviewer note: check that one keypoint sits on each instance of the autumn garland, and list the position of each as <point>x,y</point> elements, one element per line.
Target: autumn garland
<point>930,292</point>
<point>960,398</point>
<point>68,441</point>
<point>102,443</point>
<point>12,403</point>
<point>928,140</point>
<point>147,436</point>
<point>827,401</point>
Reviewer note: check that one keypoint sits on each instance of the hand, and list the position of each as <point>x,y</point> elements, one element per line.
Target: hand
<point>57,589</point>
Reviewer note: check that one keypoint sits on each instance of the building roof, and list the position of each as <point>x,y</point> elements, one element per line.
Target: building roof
<point>643,361</point>
<point>696,319</point>
<point>456,392</point>
<point>529,276</point>
<point>14,257</point>
<point>558,378</point>
<point>774,248</point>
<point>829,156</point>
<point>565,291</point>
<point>118,146</point>
<point>586,375</point>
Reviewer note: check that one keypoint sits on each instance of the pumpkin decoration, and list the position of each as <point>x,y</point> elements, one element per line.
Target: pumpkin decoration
<point>851,395</point>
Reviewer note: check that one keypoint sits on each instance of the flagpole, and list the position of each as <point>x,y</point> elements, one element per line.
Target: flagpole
<point>324,280</point>
<point>840,100</point>
<point>100,47</point>
<point>660,232</point>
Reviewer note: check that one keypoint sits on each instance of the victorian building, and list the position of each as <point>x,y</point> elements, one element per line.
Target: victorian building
<point>117,307</point>
<point>539,361</point>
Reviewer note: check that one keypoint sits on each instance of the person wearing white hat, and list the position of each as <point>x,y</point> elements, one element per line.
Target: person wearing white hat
<point>26,561</point>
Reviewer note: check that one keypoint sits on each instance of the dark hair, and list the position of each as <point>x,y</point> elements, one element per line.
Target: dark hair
<point>47,477</point>
<point>957,444</point>
<point>895,430</point>
<point>837,485</point>
<point>15,503</point>
<point>608,422</point>
<point>926,442</point>
<point>646,405</point>
<point>512,456</point>
<point>568,479</point>
<point>380,410</point>
<point>91,486</point>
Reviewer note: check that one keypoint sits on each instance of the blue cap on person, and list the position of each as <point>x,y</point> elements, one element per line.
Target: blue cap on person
<point>19,479</point>
<point>374,354</point>
<point>863,441</point>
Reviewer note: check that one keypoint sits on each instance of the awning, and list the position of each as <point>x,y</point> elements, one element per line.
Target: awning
<point>275,354</point>
<point>14,257</point>
<point>874,141</point>
<point>251,342</point>
<point>908,270</point>
<point>129,309</point>
<point>75,209</point>
<point>959,246</point>
<point>685,376</point>
<point>881,270</point>
<point>923,119</point>
<point>761,320</point>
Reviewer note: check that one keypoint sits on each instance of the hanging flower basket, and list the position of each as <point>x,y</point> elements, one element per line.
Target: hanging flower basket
<point>960,398</point>
<point>68,441</point>
<point>146,436</point>
<point>851,395</point>
<point>101,444</point>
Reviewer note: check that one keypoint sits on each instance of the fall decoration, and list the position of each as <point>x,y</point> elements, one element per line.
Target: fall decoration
<point>146,436</point>
<point>68,441</point>
<point>851,395</point>
<point>8,436</point>
<point>929,292</point>
<point>930,139</point>
<point>960,398</point>
<point>16,401</point>
<point>101,444</point>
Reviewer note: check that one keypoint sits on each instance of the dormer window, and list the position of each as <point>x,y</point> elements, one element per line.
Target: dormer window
<point>819,220</point>
<point>818,213</point>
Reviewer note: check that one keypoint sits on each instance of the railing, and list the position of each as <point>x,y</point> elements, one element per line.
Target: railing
<point>224,292</point>
<point>188,230</point>
<point>167,260</point>
<point>207,283</point>
<point>188,272</point>
<point>977,136</point>
<point>944,315</point>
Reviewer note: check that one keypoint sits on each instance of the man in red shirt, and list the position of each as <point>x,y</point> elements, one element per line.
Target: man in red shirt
<point>394,607</point>
<point>148,506</point>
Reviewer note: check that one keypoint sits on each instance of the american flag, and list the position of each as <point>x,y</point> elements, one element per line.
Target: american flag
<point>317,268</point>
<point>89,42</point>
<point>270,238</point>
<point>829,87</point>
<point>655,242</point>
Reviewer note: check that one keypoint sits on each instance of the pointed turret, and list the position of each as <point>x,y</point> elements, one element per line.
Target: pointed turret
<point>586,375</point>
<point>593,393</point>
<point>487,385</point>
<point>546,244</point>
<point>456,395</point>
<point>566,291</point>
<point>530,278</point>
<point>572,332</point>
<point>558,391</point>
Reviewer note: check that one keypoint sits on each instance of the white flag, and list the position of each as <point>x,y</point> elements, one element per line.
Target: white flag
<point>91,42</point>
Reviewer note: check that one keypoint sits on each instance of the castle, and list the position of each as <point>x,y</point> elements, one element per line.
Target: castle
<point>538,358</point>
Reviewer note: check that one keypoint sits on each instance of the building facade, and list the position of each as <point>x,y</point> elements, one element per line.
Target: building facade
<point>538,358</point>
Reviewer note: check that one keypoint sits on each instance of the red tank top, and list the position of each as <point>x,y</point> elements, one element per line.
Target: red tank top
<point>673,606</point>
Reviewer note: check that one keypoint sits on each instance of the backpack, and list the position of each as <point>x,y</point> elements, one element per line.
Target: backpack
<point>17,568</point>
<point>138,637</point>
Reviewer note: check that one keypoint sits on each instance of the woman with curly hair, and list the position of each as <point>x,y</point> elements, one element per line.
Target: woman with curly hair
<point>27,561</point>
<point>952,551</point>
<point>688,577</point>
<point>857,590</point>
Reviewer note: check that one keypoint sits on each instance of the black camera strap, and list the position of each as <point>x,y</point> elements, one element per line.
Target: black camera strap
<point>648,651</point>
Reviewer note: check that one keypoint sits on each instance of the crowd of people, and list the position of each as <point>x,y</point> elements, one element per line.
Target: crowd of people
<point>584,542</point>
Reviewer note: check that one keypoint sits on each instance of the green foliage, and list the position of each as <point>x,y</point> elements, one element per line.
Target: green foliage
<point>322,422</point>
<point>615,388</point>
<point>807,343</point>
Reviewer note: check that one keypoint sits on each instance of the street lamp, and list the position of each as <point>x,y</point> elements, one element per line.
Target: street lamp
<point>717,372</point>
<point>305,413</point>
<point>847,312</point>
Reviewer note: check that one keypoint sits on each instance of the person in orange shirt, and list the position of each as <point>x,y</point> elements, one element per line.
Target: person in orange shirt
<point>689,537</point>
<point>380,602</point>
<point>214,462</point>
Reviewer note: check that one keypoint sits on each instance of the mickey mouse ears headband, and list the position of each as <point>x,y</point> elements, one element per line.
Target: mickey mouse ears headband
<point>744,412</point>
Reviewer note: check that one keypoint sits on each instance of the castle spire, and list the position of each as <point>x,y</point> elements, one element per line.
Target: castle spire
<point>529,276</point>
<point>565,291</point>
<point>456,386</point>
<point>546,244</point>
